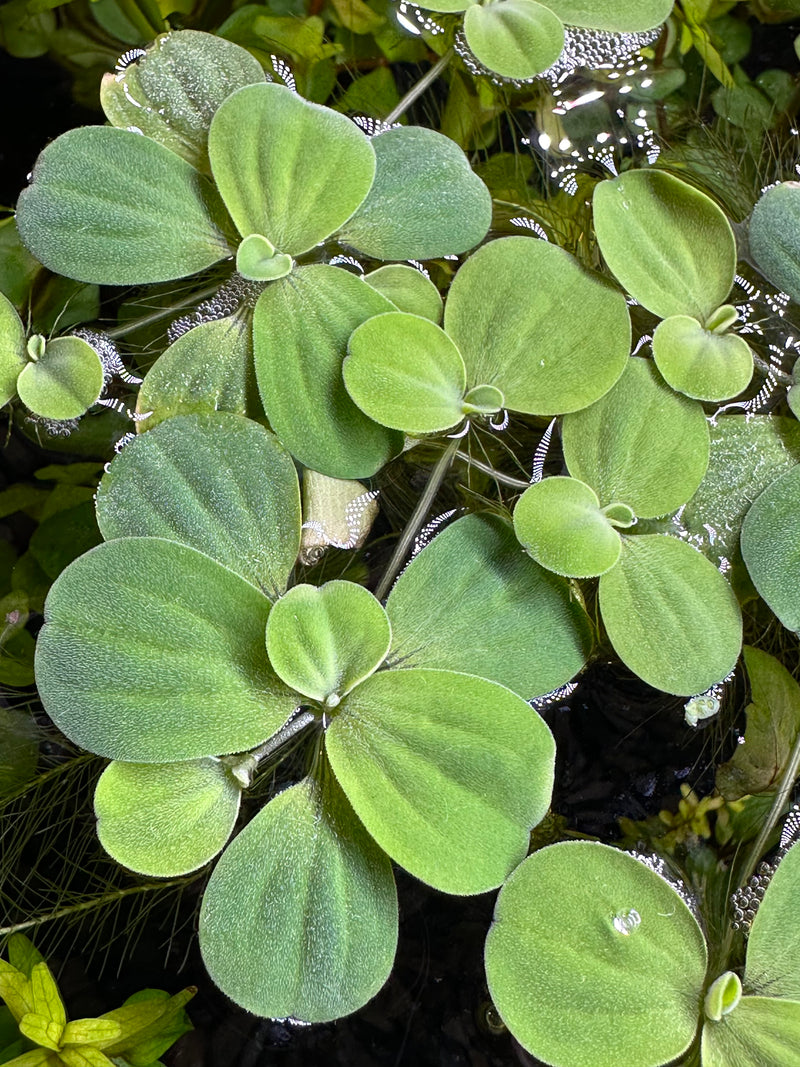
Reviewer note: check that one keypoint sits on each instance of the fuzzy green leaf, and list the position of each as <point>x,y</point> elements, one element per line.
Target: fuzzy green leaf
<point>773,725</point>
<point>773,945</point>
<point>640,443</point>
<point>560,524</point>
<point>301,328</point>
<point>152,652</point>
<point>171,93</point>
<point>618,16</point>
<point>448,772</point>
<point>408,289</point>
<point>474,571</point>
<point>669,245</point>
<point>209,368</point>
<point>113,207</point>
<point>322,641</point>
<point>300,915</point>
<point>699,363</point>
<point>13,354</point>
<point>515,38</point>
<point>759,1032</point>
<point>773,236</point>
<point>218,483</point>
<point>405,372</point>
<point>425,201</point>
<point>670,615</point>
<point>287,169</point>
<point>165,819</point>
<point>526,316</point>
<point>593,958</point>
<point>771,546</point>
<point>257,260</point>
<point>64,381</point>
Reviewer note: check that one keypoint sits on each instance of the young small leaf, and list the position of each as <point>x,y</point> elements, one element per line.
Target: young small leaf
<point>515,38</point>
<point>64,381</point>
<point>699,363</point>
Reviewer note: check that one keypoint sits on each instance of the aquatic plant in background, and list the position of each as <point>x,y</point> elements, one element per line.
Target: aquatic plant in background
<point>234,651</point>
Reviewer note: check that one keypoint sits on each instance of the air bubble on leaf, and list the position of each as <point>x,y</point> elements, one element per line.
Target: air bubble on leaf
<point>529,224</point>
<point>429,531</point>
<point>236,295</point>
<point>53,427</point>
<point>125,60</point>
<point>790,833</point>
<point>347,261</point>
<point>540,455</point>
<point>104,346</point>
<point>411,14</point>
<point>372,127</point>
<point>353,515</point>
<point>626,921</point>
<point>282,71</point>
<point>123,441</point>
<point>657,865</point>
<point>747,898</point>
<point>555,696</point>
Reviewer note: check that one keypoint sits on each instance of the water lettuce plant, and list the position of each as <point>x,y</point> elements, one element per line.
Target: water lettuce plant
<point>594,959</point>
<point>204,673</point>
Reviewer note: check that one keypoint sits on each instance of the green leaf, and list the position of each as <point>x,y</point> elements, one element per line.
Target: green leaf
<point>257,260</point>
<point>152,652</point>
<point>165,819</point>
<point>172,92</point>
<point>405,372</point>
<point>593,958</point>
<point>151,1021</point>
<point>448,772</point>
<point>773,236</point>
<point>761,1032</point>
<point>560,524</point>
<point>699,363</point>
<point>41,1029</point>
<point>670,615</point>
<point>209,368</point>
<point>15,990</point>
<point>771,546</point>
<point>773,945</point>
<point>19,746</point>
<point>300,915</point>
<point>618,16</point>
<point>287,169</point>
<point>748,452</point>
<point>640,443</point>
<point>301,328</point>
<point>669,245</point>
<point>408,289</point>
<point>91,1032</point>
<point>113,207</point>
<point>324,641</point>
<point>62,537</point>
<point>722,996</point>
<point>448,5</point>
<point>472,572</point>
<point>63,381</point>
<point>13,353</point>
<point>23,954</point>
<point>773,724</point>
<point>515,38</point>
<point>525,317</point>
<point>425,202</point>
<point>218,483</point>
<point>47,1002</point>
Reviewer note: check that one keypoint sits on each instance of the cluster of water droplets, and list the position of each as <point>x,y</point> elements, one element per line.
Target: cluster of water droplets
<point>746,900</point>
<point>707,704</point>
<point>236,295</point>
<point>555,696</point>
<point>354,513</point>
<point>658,866</point>
<point>415,20</point>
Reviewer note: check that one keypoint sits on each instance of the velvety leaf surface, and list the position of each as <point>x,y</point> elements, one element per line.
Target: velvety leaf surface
<point>517,38</point>
<point>171,94</point>
<point>618,16</point>
<point>64,381</point>
<point>640,443</point>
<point>771,546</point>
<point>165,819</point>
<point>405,372</point>
<point>526,317</point>
<point>218,483</point>
<point>773,946</point>
<point>152,652</point>
<point>287,169</point>
<point>448,772</point>
<point>301,328</point>
<point>473,571</point>
<point>747,454</point>
<point>13,355</point>
<point>209,368</point>
<point>300,915</point>
<point>699,363</point>
<point>773,723</point>
<point>669,245</point>
<point>594,959</point>
<point>670,615</point>
<point>425,201</point>
<point>448,5</point>
<point>773,236</point>
<point>109,206</point>
<point>408,289</point>
<point>324,640</point>
<point>560,524</point>
<point>759,1032</point>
